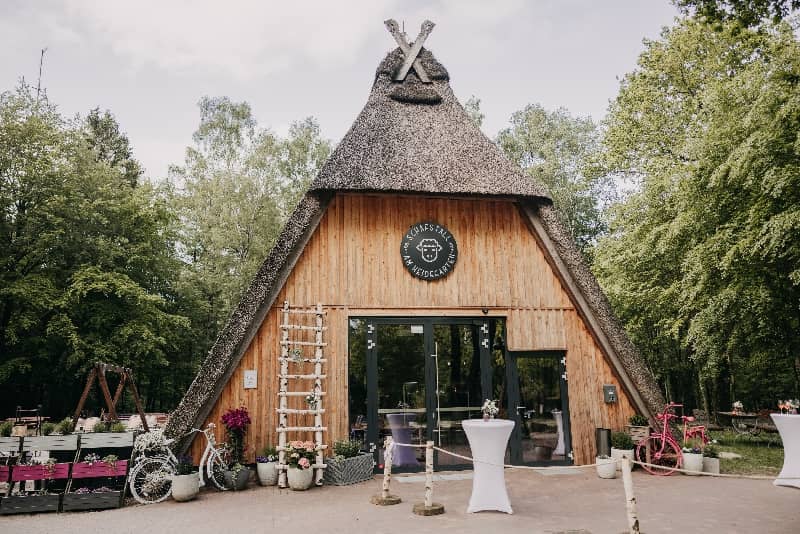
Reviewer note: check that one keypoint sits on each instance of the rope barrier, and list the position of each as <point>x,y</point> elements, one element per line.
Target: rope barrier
<point>703,473</point>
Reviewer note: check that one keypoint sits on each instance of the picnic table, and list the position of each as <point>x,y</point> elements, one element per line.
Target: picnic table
<point>742,422</point>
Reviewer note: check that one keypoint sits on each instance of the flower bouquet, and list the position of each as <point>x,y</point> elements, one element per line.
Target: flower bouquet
<point>489,409</point>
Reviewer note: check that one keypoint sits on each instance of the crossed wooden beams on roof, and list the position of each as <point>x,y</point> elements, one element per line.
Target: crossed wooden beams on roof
<point>411,52</point>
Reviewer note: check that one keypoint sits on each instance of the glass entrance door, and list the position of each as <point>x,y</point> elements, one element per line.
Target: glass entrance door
<point>538,394</point>
<point>416,379</point>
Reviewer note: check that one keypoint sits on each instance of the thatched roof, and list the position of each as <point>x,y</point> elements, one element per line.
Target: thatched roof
<point>416,137</point>
<point>411,138</point>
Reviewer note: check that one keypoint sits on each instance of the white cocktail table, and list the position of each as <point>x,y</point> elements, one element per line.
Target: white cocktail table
<point>488,440</point>
<point>789,428</point>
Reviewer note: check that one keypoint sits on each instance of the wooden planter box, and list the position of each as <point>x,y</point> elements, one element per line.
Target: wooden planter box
<point>105,440</point>
<point>10,445</point>
<point>344,471</point>
<point>5,472</point>
<point>20,473</point>
<point>91,501</point>
<point>99,469</point>
<point>637,433</point>
<point>50,443</point>
<point>31,504</point>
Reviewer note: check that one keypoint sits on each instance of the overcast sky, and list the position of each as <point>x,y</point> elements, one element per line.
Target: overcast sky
<point>149,62</point>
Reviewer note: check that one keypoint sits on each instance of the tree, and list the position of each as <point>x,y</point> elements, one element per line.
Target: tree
<point>748,13</point>
<point>111,145</point>
<point>561,151</point>
<point>473,109</point>
<point>701,262</point>
<point>86,259</point>
<point>239,183</point>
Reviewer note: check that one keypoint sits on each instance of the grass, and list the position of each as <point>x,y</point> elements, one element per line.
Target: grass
<point>761,455</point>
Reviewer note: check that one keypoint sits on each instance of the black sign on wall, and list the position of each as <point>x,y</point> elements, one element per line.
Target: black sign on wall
<point>429,251</point>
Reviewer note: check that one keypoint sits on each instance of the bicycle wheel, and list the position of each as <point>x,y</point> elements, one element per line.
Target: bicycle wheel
<point>664,462</point>
<point>151,480</point>
<point>215,470</point>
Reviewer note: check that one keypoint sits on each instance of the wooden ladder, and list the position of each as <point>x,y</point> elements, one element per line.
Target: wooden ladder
<point>292,352</point>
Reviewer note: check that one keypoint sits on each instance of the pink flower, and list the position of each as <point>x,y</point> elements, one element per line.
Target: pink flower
<point>304,463</point>
<point>309,446</point>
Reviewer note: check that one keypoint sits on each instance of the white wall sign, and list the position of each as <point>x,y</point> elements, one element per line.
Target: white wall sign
<point>250,379</point>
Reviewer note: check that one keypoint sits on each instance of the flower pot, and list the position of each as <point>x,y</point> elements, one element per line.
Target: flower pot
<point>710,465</point>
<point>692,462</point>
<point>300,479</point>
<point>185,487</point>
<point>240,481</point>
<point>606,468</point>
<point>619,454</point>
<point>267,473</point>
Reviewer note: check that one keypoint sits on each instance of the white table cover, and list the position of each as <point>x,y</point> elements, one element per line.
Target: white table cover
<point>400,425</point>
<point>789,428</point>
<point>560,428</point>
<point>488,440</point>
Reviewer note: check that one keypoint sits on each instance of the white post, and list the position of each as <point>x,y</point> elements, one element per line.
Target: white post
<point>283,387</point>
<point>388,457</point>
<point>630,498</point>
<point>428,474</point>
<point>318,389</point>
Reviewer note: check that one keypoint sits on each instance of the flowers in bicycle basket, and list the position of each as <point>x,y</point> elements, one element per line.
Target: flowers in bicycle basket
<point>236,421</point>
<point>150,442</point>
<point>300,454</point>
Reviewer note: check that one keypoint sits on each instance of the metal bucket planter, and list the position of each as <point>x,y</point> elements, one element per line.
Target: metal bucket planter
<point>240,481</point>
<point>343,471</point>
<point>300,479</point>
<point>91,501</point>
<point>31,504</point>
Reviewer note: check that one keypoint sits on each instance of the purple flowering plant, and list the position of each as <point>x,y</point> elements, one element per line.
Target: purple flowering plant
<point>236,421</point>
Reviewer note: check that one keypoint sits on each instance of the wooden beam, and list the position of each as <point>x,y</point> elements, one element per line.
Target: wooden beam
<point>101,379</point>
<point>84,396</point>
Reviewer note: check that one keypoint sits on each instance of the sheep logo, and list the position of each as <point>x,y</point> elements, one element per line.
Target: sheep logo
<point>429,249</point>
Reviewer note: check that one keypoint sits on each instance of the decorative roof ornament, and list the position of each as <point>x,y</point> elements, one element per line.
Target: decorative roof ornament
<point>411,52</point>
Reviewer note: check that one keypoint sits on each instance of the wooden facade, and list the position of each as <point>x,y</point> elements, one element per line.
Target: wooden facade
<point>352,266</point>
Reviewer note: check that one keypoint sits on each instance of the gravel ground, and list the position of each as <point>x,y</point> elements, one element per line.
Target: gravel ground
<point>576,502</point>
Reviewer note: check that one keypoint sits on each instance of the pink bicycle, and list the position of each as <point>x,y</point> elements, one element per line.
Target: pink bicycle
<point>661,450</point>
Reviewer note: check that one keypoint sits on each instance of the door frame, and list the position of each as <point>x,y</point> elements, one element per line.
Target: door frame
<point>373,324</point>
<point>513,394</point>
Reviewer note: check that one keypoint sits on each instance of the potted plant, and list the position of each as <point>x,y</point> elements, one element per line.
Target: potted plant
<point>300,454</point>
<point>236,421</point>
<point>267,466</point>
<point>621,447</point>
<point>638,427</point>
<point>349,464</point>
<point>711,459</point>
<point>692,457</point>
<point>185,483</point>
<point>489,409</point>
<point>606,467</point>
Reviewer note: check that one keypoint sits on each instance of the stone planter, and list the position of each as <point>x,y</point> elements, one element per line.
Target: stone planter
<point>342,471</point>
<point>619,454</point>
<point>710,465</point>
<point>300,479</point>
<point>606,468</point>
<point>185,487</point>
<point>692,462</point>
<point>241,480</point>
<point>267,473</point>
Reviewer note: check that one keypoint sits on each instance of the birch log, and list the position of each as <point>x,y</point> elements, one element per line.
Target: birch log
<point>388,457</point>
<point>428,474</point>
<point>630,498</point>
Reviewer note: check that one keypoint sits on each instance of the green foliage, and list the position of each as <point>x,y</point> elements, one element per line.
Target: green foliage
<point>701,261</point>
<point>711,451</point>
<point>5,429</point>
<point>65,426</point>
<point>269,450</point>
<point>101,427</point>
<point>348,449</point>
<point>186,466</point>
<point>561,151</point>
<point>748,13</point>
<point>638,420</point>
<point>48,428</point>
<point>117,427</point>
<point>621,440</point>
<point>473,108</point>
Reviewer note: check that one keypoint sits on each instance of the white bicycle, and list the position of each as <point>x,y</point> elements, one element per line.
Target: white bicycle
<point>150,480</point>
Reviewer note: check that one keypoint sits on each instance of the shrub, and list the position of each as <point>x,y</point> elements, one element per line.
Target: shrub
<point>100,426</point>
<point>65,426</point>
<point>348,449</point>
<point>638,420</point>
<point>118,427</point>
<point>711,451</point>
<point>5,429</point>
<point>621,440</point>
<point>48,428</point>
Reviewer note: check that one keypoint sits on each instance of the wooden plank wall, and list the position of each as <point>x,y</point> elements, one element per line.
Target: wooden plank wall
<point>352,266</point>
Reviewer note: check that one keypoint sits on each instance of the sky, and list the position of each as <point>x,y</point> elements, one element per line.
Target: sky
<point>149,62</point>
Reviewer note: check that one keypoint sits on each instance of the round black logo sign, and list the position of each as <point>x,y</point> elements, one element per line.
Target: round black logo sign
<point>429,251</point>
